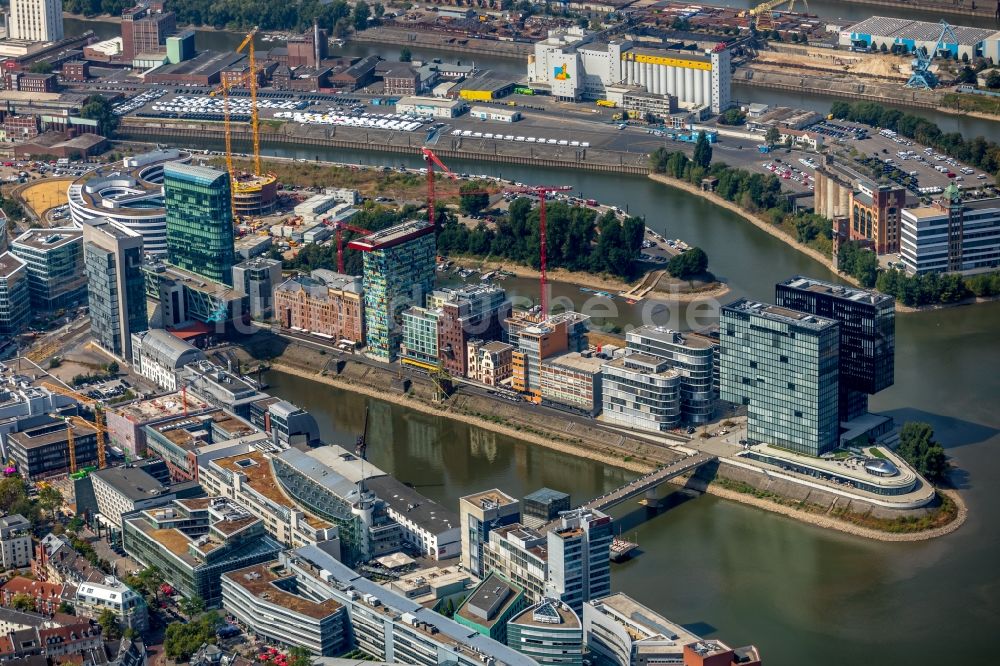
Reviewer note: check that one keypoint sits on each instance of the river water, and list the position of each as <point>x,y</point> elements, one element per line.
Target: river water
<point>800,593</point>
<point>803,595</point>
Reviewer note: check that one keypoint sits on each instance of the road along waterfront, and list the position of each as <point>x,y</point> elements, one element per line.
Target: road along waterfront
<point>798,591</point>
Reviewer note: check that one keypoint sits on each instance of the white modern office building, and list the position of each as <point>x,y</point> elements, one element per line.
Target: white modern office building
<point>951,235</point>
<point>265,599</point>
<point>693,356</point>
<point>574,65</point>
<point>129,193</point>
<point>642,391</point>
<point>619,630</point>
<point>386,625</point>
<point>479,514</point>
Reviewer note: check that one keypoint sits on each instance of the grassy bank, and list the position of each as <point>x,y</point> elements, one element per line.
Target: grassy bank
<point>949,514</point>
<point>756,220</point>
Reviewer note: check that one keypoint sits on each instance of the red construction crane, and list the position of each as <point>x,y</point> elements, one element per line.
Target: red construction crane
<point>431,160</point>
<point>542,191</point>
<point>341,227</point>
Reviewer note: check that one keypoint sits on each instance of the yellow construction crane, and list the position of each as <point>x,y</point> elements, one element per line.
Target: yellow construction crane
<point>224,90</point>
<point>97,425</point>
<point>247,43</point>
<point>100,429</point>
<point>245,188</point>
<point>763,14</point>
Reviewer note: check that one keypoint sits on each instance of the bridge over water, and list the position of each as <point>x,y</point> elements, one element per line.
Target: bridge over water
<point>649,482</point>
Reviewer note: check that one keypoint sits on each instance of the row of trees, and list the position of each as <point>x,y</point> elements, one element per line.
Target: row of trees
<point>337,16</point>
<point>977,151</point>
<point>577,239</point>
<point>914,290</point>
<point>936,288</point>
<point>753,192</point>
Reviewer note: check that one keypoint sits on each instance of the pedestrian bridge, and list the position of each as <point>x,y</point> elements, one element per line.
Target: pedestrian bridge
<point>649,482</point>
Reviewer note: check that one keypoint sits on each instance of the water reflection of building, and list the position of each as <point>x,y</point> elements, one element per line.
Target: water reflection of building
<point>483,444</point>
<point>423,441</point>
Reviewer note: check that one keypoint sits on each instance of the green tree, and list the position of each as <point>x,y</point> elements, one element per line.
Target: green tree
<point>110,627</point>
<point>993,79</point>
<point>192,606</point>
<point>405,55</point>
<point>40,67</point>
<point>360,15</point>
<point>49,499</point>
<point>472,199</point>
<point>96,107</point>
<point>183,639</point>
<point>918,447</point>
<point>23,602</point>
<point>967,75</point>
<point>12,492</point>
<point>733,116</point>
<point>688,264</point>
<point>702,151</point>
<point>772,136</point>
<point>75,525</point>
<point>299,656</point>
<point>66,607</point>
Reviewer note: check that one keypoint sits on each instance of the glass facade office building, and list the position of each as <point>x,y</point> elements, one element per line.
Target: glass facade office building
<point>15,301</point>
<point>112,257</point>
<point>398,273</point>
<point>783,365</point>
<point>199,221</point>
<point>867,335</point>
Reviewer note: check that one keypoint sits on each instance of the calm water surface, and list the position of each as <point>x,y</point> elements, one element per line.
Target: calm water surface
<point>798,592</point>
<point>802,594</point>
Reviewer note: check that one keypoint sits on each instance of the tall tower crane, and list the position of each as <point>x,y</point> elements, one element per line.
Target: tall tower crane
<point>341,227</point>
<point>433,160</point>
<point>541,190</point>
<point>247,43</point>
<point>242,186</point>
<point>97,425</point>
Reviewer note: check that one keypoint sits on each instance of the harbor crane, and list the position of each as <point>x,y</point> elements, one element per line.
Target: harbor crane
<point>921,77</point>
<point>763,14</point>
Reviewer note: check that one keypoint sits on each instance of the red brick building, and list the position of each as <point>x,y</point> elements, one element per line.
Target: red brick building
<point>717,653</point>
<point>145,30</point>
<point>20,128</point>
<point>875,215</point>
<point>330,307</point>
<point>47,596</point>
<point>78,70</point>
<point>401,79</point>
<point>302,50</point>
<point>42,83</point>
